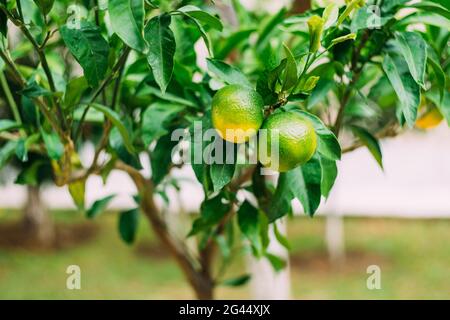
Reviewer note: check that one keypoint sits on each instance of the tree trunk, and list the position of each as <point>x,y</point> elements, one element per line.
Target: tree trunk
<point>37,222</point>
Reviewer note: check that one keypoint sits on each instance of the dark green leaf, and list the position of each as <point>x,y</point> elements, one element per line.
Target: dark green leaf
<point>22,150</point>
<point>407,90</point>
<point>6,152</point>
<point>117,144</point>
<point>45,5</point>
<point>414,50</point>
<point>128,225</point>
<point>370,142</point>
<point>161,49</point>
<point>75,89</point>
<point>440,76</point>
<point>98,207</point>
<point>248,220</point>
<point>226,73</point>
<point>33,90</point>
<point>329,174</point>
<point>222,173</point>
<point>281,238</point>
<point>161,158</point>
<point>238,281</point>
<point>127,21</point>
<point>89,48</point>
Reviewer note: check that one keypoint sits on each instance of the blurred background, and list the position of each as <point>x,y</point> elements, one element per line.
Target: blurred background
<point>396,219</point>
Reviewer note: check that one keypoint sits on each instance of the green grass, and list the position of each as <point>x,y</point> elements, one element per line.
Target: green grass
<point>413,255</point>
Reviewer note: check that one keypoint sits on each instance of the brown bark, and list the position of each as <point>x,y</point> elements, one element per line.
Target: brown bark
<point>37,222</point>
<point>300,6</point>
<point>196,274</point>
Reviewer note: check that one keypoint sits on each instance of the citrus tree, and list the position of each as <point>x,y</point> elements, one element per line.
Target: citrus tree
<point>276,90</point>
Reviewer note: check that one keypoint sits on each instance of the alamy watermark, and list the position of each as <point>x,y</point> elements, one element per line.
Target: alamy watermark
<point>73,281</point>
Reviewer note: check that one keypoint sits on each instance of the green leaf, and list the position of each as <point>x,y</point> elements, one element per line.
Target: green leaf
<point>268,27</point>
<point>6,152</point>
<point>127,21</point>
<point>45,5</point>
<point>281,238</point>
<point>330,15</point>
<point>238,281</point>
<point>429,6</point>
<point>155,119</point>
<point>222,173</point>
<point>350,36</point>
<point>99,206</point>
<point>89,48</point>
<point>77,190</point>
<point>365,18</point>
<point>414,50</point>
<point>6,125</point>
<point>442,104</point>
<point>277,263</point>
<point>74,90</point>
<point>203,33</point>
<point>232,42</point>
<point>370,142</point>
<point>128,225</point>
<point>117,144</point>
<point>329,175</point>
<point>169,97</point>
<point>315,25</point>
<point>161,49</point>
<point>228,74</point>
<point>212,211</point>
<point>407,90</point>
<point>440,76</point>
<point>33,90</point>
<point>305,183</point>
<point>248,221</point>
<point>161,158</point>
<point>29,175</point>
<point>202,16</point>
<point>291,72</point>
<point>22,150</point>
<point>3,22</point>
<point>54,146</point>
<point>117,122</point>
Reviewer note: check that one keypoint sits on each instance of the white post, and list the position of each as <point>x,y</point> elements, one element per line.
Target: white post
<point>266,283</point>
<point>334,230</point>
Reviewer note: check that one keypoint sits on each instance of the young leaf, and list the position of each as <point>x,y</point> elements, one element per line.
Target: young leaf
<point>350,36</point>
<point>202,16</point>
<point>77,190</point>
<point>227,73</point>
<point>330,15</point>
<point>161,49</point>
<point>99,206</point>
<point>89,48</point>
<point>291,72</point>
<point>407,90</point>
<point>161,158</point>
<point>117,122</point>
<point>370,142</point>
<point>248,221</point>
<point>127,21</point>
<point>414,50</point>
<point>315,25</point>
<point>128,225</point>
